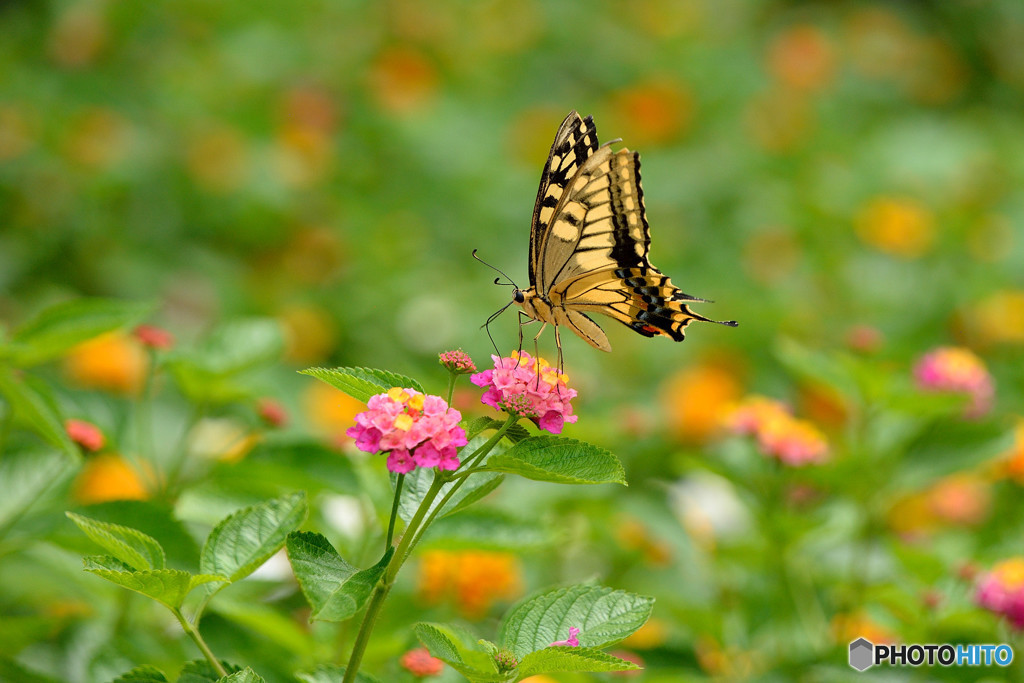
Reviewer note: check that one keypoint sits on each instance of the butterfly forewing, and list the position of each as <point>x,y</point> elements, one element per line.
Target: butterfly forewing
<point>575,141</point>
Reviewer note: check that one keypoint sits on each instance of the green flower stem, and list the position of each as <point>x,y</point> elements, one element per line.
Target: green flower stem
<point>144,427</point>
<point>417,525</point>
<point>394,511</point>
<point>452,376</point>
<point>193,633</point>
<point>383,587</point>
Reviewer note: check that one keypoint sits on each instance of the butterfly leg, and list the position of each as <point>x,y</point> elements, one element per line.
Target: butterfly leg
<point>561,360</point>
<point>529,320</point>
<point>536,350</point>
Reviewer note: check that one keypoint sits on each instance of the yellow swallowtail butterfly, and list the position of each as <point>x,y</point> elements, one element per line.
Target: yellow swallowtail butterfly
<point>589,242</point>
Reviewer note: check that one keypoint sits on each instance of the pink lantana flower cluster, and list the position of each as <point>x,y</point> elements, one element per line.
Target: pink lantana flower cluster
<point>528,387</point>
<point>457,362</point>
<point>957,370</point>
<point>416,430</point>
<point>779,435</point>
<point>1002,591</point>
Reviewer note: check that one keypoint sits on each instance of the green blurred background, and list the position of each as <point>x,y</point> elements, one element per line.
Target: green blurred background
<point>839,175</point>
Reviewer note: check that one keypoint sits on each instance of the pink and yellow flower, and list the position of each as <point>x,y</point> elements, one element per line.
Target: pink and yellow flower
<point>1002,590</point>
<point>528,387</point>
<point>779,435</point>
<point>417,430</point>
<point>953,369</point>
<point>457,362</point>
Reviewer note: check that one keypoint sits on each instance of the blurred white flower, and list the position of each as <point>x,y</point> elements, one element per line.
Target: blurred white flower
<point>708,507</point>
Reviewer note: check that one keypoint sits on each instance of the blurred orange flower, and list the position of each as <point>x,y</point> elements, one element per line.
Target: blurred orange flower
<point>897,226</point>
<point>652,634</point>
<point>961,498</point>
<point>653,113</point>
<point>474,579</point>
<point>851,626</point>
<point>779,435</point>
<point>114,361</point>
<point>402,79</point>
<point>697,398</point>
<point>823,405</point>
<point>999,317</point>
<point>1013,462</point>
<point>329,410</point>
<point>632,534</point>
<point>108,477</point>
<point>802,57</point>
<point>310,333</point>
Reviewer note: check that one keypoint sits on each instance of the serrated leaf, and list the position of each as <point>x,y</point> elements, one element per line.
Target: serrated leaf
<point>37,413</point>
<point>246,675</point>
<point>318,567</point>
<point>570,660</point>
<point>349,597</point>
<point>201,671</point>
<point>131,546</point>
<point>604,616</point>
<point>167,586</point>
<point>458,649</point>
<point>58,328</point>
<point>24,476</point>
<point>362,383</point>
<point>142,674</point>
<point>418,482</point>
<point>332,674</point>
<point>559,460</point>
<point>242,542</point>
<point>487,530</point>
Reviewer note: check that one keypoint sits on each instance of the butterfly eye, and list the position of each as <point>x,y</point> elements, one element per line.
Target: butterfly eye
<point>518,297</point>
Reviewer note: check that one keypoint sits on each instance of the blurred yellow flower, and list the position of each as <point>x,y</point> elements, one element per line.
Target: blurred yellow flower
<point>912,516</point>
<point>218,159</point>
<point>98,137</point>
<point>854,625</point>
<point>961,498</point>
<point>222,439</point>
<point>302,155</point>
<point>802,57</point>
<point>16,132</point>
<point>114,361</point>
<point>651,635</point>
<point>108,477</point>
<point>1013,460</point>
<point>823,405</point>
<point>474,579</point>
<point>329,410</point>
<point>896,226</point>
<point>402,79</point>
<point>697,398</point>
<point>310,333</point>
<point>728,663</point>
<point>999,317</point>
<point>632,534</point>
<point>653,113</point>
<point>539,678</point>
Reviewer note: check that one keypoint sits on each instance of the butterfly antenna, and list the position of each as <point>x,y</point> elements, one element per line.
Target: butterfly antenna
<point>510,281</point>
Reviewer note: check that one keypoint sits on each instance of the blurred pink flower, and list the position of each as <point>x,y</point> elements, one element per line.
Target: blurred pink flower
<point>271,412</point>
<point>1002,590</point>
<point>528,387</point>
<point>85,434</point>
<point>420,663</point>
<point>154,337</point>
<point>457,361</point>
<point>419,430</point>
<point>572,640</point>
<point>957,370</point>
<point>779,435</point>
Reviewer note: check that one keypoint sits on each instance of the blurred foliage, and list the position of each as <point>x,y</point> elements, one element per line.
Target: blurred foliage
<point>844,178</point>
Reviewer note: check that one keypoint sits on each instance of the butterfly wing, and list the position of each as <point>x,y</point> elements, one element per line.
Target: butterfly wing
<point>595,256</point>
<point>574,143</point>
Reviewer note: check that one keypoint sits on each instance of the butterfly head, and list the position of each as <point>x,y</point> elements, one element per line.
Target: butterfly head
<point>518,296</point>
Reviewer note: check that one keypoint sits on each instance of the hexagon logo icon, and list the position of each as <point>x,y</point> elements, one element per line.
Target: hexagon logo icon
<point>862,654</point>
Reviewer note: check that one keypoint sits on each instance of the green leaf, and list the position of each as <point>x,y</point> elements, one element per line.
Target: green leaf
<point>24,477</point>
<point>318,567</point>
<point>349,597</point>
<point>201,671</point>
<point>156,519</point>
<point>142,674</point>
<point>570,659</point>
<point>60,327</point>
<point>38,414</point>
<point>11,670</point>
<point>604,616</point>
<point>514,434</point>
<point>362,383</point>
<point>418,482</point>
<point>246,675</point>
<point>459,649</point>
<point>487,530</point>
<point>210,372</point>
<point>816,366</point>
<point>332,674</point>
<point>560,460</point>
<point>167,586</point>
<point>242,542</point>
<point>131,546</point>
<point>948,446</point>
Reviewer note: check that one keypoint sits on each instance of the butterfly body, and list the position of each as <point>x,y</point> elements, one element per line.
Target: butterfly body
<point>589,242</point>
